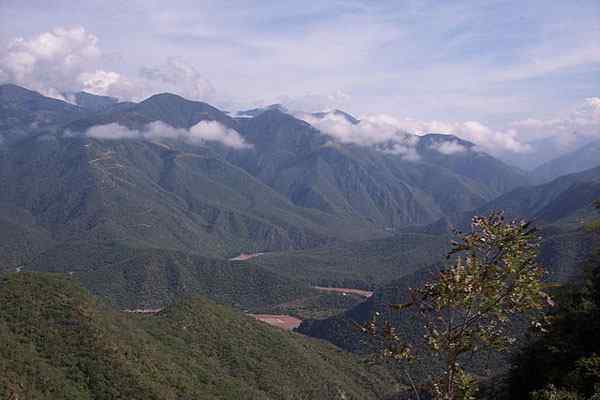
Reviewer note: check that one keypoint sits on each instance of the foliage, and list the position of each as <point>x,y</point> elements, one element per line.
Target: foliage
<point>564,363</point>
<point>58,342</point>
<point>131,277</point>
<point>493,277</point>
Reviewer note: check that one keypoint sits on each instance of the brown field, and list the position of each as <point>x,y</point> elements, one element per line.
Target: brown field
<point>245,256</point>
<point>281,321</point>
<point>344,291</point>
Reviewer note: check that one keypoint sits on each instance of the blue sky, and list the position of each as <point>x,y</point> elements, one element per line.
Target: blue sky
<point>497,63</point>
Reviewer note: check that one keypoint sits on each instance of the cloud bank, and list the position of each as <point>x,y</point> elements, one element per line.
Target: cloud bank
<point>580,123</point>
<point>204,131</point>
<point>381,131</point>
<point>66,60</point>
<point>377,129</point>
<point>372,78</point>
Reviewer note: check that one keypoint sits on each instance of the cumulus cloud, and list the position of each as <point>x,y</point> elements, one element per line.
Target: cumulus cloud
<point>204,131</point>
<point>66,60</point>
<point>108,83</point>
<point>50,62</point>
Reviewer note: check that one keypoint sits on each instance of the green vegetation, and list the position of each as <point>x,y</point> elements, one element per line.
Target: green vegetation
<point>564,362</point>
<point>365,264</point>
<point>130,277</point>
<point>57,342</point>
<point>316,306</point>
<point>468,306</point>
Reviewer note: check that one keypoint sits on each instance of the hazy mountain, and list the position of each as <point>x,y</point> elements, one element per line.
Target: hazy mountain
<point>350,118</point>
<point>151,195</point>
<point>380,187</point>
<point>24,111</point>
<point>91,101</point>
<point>169,208</point>
<point>579,160</point>
<point>565,201</point>
<point>256,111</point>
<point>558,209</point>
<point>168,108</point>
<point>59,342</point>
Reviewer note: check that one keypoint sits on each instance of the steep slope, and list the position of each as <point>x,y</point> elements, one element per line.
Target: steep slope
<point>558,209</point>
<point>168,108</point>
<point>23,112</point>
<point>59,343</point>
<point>579,160</point>
<point>148,194</point>
<point>564,202</point>
<point>462,157</point>
<point>366,183</point>
<point>91,101</point>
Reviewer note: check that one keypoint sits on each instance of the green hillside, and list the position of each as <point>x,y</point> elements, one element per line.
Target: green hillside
<point>132,278</point>
<point>58,342</point>
<point>365,264</point>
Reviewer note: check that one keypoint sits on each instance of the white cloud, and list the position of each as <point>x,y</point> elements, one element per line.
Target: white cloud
<point>107,83</point>
<point>69,59</point>
<point>378,129</point>
<point>370,130</point>
<point>214,131</point>
<point>382,131</point>
<point>449,148</point>
<point>406,152</point>
<point>50,62</point>
<point>112,131</point>
<point>311,102</point>
<point>204,131</point>
<point>568,131</point>
<point>179,77</point>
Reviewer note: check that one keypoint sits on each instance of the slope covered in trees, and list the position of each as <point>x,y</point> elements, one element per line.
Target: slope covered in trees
<point>58,342</point>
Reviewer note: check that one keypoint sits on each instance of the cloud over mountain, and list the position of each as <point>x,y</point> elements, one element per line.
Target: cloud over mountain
<point>69,59</point>
<point>449,148</point>
<point>204,131</point>
<point>179,77</point>
<point>376,129</point>
<point>581,120</point>
<point>50,62</point>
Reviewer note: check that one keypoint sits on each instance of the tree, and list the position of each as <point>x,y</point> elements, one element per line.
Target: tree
<point>467,307</point>
<point>564,362</point>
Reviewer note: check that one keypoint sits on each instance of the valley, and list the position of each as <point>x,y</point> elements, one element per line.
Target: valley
<point>223,264</point>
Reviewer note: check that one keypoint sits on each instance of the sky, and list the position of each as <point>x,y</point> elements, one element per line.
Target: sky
<point>515,77</point>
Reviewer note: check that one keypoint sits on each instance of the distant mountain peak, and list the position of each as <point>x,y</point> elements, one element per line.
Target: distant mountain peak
<point>445,137</point>
<point>257,111</point>
<point>165,97</point>
<point>350,118</point>
<point>90,101</point>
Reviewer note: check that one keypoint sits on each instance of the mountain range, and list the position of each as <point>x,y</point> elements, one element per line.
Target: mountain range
<point>145,204</point>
